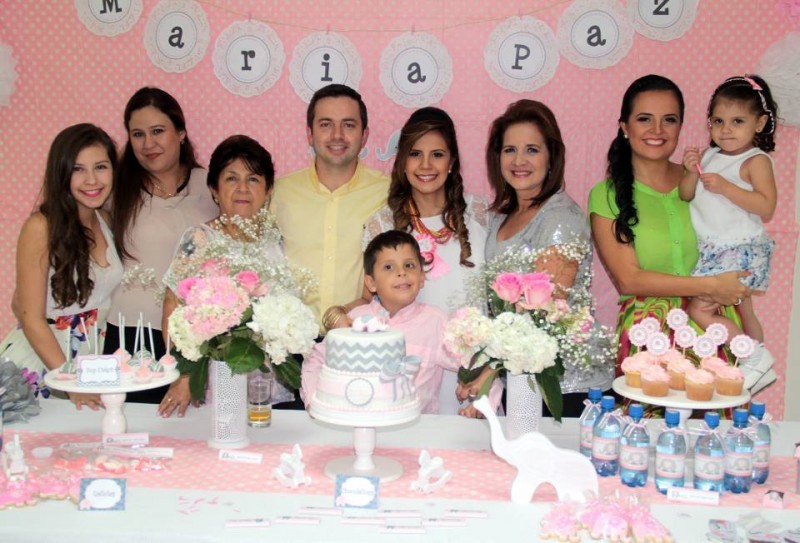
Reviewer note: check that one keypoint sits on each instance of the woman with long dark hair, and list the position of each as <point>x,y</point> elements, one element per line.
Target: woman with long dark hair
<point>67,259</point>
<point>641,227</point>
<point>160,191</point>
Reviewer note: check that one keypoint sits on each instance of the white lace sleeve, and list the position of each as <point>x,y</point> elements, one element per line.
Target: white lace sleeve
<point>380,221</point>
<point>182,263</point>
<point>478,208</point>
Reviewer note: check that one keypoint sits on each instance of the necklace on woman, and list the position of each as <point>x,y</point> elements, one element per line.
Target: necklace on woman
<point>440,236</point>
<point>160,188</point>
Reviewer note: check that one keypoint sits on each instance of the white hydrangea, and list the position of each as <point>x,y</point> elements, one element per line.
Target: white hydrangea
<point>522,346</point>
<point>286,325</point>
<point>181,335</point>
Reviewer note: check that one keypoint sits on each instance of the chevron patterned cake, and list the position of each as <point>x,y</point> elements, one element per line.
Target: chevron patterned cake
<point>367,380</point>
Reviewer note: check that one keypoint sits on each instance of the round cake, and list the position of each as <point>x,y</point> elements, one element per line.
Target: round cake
<point>367,379</point>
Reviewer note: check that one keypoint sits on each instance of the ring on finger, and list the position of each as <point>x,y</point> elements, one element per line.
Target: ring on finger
<point>738,301</point>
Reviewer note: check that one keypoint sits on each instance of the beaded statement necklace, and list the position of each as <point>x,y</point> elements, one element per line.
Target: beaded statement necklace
<point>440,236</point>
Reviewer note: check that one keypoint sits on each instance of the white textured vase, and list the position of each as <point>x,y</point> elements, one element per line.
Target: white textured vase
<point>228,402</point>
<point>523,406</point>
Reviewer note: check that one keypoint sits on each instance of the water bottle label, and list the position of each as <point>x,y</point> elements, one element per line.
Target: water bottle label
<point>739,465</point>
<point>710,468</point>
<point>670,466</point>
<point>633,458</point>
<point>761,456</point>
<point>604,448</point>
<point>586,436</point>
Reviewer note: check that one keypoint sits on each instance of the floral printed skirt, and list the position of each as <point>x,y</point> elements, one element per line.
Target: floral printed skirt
<point>67,329</point>
<point>754,256</point>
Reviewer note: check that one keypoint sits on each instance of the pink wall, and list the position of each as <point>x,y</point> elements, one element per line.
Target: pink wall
<point>69,75</point>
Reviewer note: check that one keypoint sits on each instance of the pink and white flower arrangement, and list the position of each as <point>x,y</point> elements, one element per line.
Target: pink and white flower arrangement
<point>238,319</point>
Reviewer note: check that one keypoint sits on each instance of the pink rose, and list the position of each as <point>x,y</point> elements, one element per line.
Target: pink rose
<point>508,287</point>
<point>248,280</point>
<point>537,290</point>
<point>185,286</point>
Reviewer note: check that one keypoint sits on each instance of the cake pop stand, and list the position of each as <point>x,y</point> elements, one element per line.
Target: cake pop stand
<point>676,399</point>
<point>114,421</point>
<point>363,462</point>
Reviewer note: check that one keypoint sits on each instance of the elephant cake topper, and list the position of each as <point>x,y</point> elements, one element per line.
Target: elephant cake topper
<point>539,461</point>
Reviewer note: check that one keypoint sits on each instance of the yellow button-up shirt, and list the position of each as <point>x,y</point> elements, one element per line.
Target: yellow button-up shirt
<point>322,230</point>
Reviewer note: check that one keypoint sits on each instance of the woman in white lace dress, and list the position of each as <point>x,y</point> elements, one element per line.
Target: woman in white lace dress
<point>426,198</point>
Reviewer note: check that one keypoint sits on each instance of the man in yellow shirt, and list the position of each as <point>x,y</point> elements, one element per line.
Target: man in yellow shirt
<point>321,209</point>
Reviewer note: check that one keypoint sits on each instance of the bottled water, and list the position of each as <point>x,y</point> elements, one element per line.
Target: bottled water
<point>739,454</point>
<point>605,439</point>
<point>670,453</point>
<point>589,415</point>
<point>709,457</point>
<point>634,451</point>
<point>762,442</point>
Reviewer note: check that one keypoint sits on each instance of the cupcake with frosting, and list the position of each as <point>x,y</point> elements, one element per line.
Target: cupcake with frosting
<point>713,364</point>
<point>632,367</point>
<point>677,369</point>
<point>699,385</point>
<point>655,380</point>
<point>729,381</point>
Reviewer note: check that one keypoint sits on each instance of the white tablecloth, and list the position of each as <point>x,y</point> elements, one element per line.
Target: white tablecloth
<point>153,515</point>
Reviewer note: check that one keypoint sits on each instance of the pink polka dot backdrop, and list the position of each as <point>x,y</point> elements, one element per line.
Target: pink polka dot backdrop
<point>67,74</point>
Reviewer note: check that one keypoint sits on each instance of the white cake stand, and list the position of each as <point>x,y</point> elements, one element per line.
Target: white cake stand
<point>363,462</point>
<point>113,397</point>
<point>676,399</point>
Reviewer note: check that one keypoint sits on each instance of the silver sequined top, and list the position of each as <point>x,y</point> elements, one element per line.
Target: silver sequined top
<point>560,220</point>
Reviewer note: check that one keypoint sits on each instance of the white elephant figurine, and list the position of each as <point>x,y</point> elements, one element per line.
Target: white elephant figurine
<point>539,461</point>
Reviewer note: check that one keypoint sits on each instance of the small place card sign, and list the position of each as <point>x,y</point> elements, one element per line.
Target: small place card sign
<point>357,491</point>
<point>692,495</point>
<point>102,495</point>
<point>98,370</point>
<point>139,438</point>
<point>240,456</point>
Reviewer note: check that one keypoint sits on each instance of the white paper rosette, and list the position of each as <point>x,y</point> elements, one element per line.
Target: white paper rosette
<point>677,318</point>
<point>658,343</point>
<point>780,67</point>
<point>717,332</point>
<point>638,335</point>
<point>685,336</point>
<point>651,324</point>
<point>742,346</point>
<point>705,346</point>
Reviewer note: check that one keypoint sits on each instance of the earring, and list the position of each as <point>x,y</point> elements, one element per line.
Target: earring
<point>624,135</point>
<point>449,171</point>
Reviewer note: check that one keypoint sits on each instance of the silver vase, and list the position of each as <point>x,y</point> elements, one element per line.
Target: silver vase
<point>228,402</point>
<point>524,405</point>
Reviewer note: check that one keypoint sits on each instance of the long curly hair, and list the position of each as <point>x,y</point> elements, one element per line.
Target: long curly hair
<point>69,242</point>
<point>131,180</point>
<point>421,122</point>
<point>620,166</point>
<point>539,115</point>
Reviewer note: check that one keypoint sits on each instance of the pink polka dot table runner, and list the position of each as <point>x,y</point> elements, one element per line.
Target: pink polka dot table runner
<point>477,475</point>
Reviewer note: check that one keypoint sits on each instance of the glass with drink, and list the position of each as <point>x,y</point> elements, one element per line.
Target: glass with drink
<point>259,399</point>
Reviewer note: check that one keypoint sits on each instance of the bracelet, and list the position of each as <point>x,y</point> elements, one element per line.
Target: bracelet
<point>332,316</point>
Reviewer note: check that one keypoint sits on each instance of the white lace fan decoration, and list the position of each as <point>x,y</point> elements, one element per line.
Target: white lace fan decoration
<point>780,67</point>
<point>8,74</point>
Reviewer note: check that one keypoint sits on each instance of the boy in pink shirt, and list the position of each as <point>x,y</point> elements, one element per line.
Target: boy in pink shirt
<point>394,274</point>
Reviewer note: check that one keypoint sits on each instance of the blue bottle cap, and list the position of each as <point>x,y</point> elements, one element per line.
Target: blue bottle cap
<point>712,419</point>
<point>636,411</point>
<point>672,417</point>
<point>595,394</point>
<point>607,403</point>
<point>740,416</point>
<point>757,409</point>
